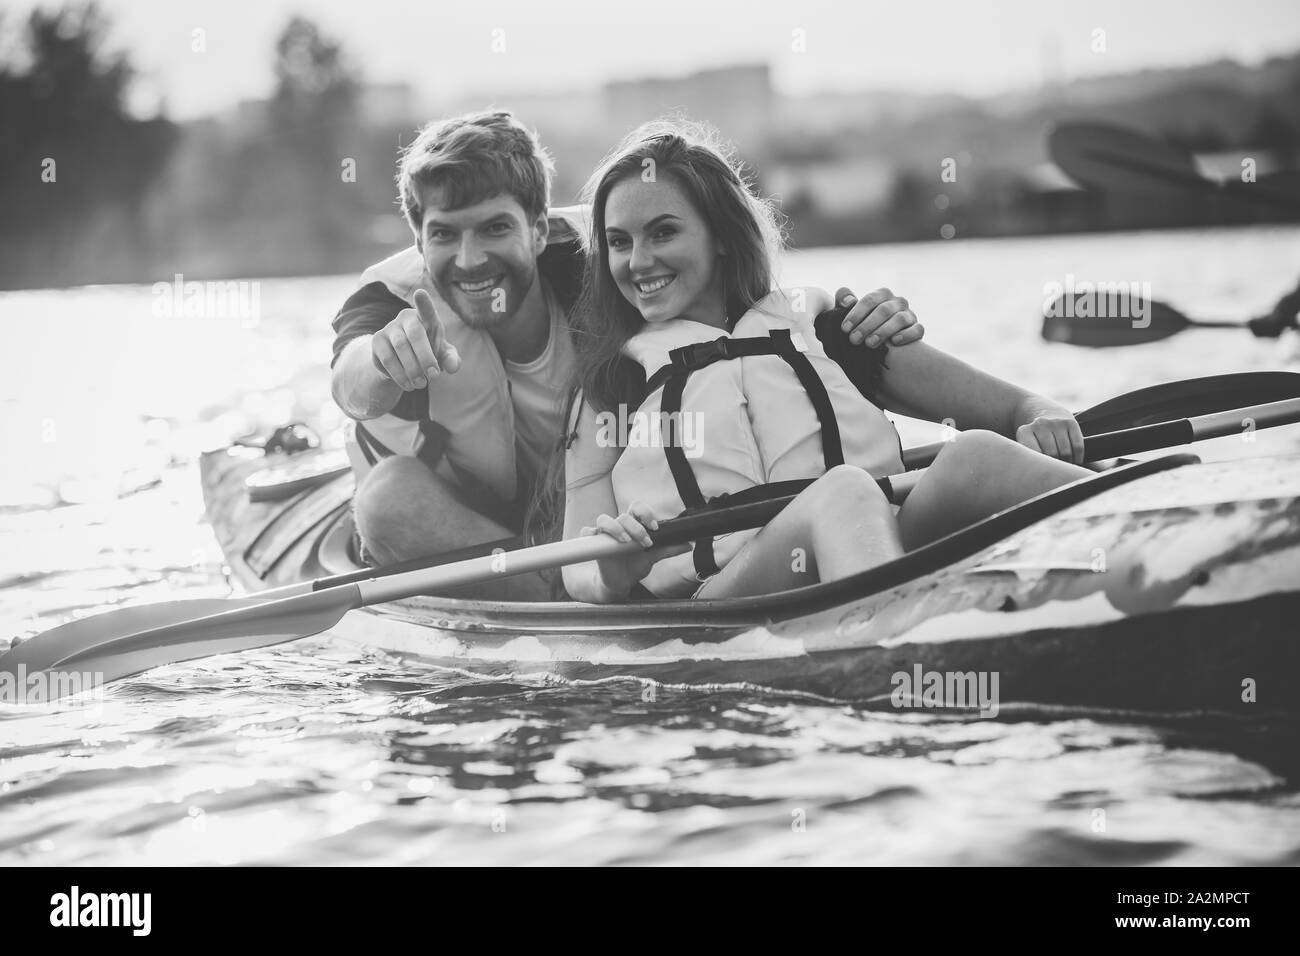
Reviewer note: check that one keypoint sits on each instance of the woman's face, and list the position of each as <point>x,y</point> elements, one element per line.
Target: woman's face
<point>662,255</point>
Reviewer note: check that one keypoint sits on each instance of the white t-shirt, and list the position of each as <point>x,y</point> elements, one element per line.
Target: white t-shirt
<point>537,392</point>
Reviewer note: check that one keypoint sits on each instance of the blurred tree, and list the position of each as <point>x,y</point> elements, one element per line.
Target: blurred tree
<point>910,210</point>
<point>312,79</point>
<point>1273,130</point>
<point>74,164</point>
<point>314,117</point>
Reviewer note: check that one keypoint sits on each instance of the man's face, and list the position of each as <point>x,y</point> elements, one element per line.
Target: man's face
<point>482,258</point>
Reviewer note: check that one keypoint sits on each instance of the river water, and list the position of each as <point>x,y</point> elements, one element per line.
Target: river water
<point>315,753</point>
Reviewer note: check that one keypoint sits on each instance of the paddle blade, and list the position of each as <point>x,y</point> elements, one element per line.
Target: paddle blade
<point>1280,191</point>
<point>1125,162</point>
<point>53,670</point>
<point>1106,318</point>
<point>74,637</point>
<point>1187,399</point>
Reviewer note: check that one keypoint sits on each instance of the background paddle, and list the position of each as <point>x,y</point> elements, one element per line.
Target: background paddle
<point>1109,316</point>
<point>115,655</point>
<point>1119,161</point>
<point>1123,162</point>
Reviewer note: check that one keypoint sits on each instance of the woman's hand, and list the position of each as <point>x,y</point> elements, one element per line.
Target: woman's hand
<point>618,574</point>
<point>1050,429</point>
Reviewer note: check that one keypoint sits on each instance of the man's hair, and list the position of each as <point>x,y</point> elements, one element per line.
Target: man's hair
<point>474,157</point>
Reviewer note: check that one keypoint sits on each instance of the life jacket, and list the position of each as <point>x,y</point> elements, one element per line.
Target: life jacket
<point>471,411</point>
<point>732,417</point>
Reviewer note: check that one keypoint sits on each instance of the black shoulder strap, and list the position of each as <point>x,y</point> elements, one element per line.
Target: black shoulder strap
<point>688,489</point>
<point>430,451</point>
<point>832,449</point>
<point>372,449</point>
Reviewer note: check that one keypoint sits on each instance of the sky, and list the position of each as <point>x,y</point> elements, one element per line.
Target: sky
<point>449,48</point>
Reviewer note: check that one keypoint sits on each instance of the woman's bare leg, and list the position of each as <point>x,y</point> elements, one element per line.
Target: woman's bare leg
<point>978,474</point>
<point>838,526</point>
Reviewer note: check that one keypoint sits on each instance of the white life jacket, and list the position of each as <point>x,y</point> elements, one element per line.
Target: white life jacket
<point>711,430</point>
<point>474,405</point>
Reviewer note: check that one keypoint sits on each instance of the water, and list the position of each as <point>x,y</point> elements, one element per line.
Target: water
<point>316,753</point>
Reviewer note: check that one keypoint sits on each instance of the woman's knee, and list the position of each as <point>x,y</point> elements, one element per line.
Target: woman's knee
<point>975,447</point>
<point>846,483</point>
<point>844,489</point>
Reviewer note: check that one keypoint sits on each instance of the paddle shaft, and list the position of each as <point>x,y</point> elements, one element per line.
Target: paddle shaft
<point>1168,399</point>
<point>1214,323</point>
<point>377,587</point>
<point>492,559</point>
<point>689,528</point>
<point>1182,431</point>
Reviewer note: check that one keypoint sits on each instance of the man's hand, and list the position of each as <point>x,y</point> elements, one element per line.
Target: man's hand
<point>412,349</point>
<point>878,317</point>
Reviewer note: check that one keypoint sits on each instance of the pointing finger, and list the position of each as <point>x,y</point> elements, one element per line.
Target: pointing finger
<point>448,357</point>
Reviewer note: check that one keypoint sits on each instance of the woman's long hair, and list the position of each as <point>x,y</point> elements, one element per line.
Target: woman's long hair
<point>746,227</point>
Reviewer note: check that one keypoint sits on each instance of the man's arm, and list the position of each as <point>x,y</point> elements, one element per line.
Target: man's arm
<point>358,386</point>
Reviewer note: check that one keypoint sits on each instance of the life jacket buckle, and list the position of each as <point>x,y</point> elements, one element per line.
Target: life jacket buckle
<point>701,354</point>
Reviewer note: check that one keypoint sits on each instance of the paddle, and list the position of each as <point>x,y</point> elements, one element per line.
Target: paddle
<point>1183,431</point>
<point>1164,402</point>
<point>1105,315</point>
<point>70,649</point>
<point>1123,161</point>
<point>1118,160</point>
<point>1155,403</point>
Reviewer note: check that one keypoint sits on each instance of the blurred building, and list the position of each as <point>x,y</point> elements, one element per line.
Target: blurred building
<point>738,99</point>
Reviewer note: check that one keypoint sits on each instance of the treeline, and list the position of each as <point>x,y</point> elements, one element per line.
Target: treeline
<point>93,194</point>
<point>302,183</point>
<point>75,168</point>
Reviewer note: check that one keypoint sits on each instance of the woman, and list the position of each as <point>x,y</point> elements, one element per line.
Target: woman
<point>682,255</point>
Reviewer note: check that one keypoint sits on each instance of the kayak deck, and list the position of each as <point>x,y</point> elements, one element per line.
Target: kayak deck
<point>1163,592</point>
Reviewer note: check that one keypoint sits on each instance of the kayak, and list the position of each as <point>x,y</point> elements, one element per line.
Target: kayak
<point>1166,585</point>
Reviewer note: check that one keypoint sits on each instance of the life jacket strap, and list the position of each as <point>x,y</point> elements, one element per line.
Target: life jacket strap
<point>372,449</point>
<point>672,378</point>
<point>832,449</point>
<point>688,489</point>
<point>692,358</point>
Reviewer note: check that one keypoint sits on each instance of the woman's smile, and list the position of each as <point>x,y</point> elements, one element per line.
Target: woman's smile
<point>648,287</point>
<point>662,254</point>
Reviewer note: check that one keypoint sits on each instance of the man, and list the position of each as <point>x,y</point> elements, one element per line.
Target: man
<point>451,356</point>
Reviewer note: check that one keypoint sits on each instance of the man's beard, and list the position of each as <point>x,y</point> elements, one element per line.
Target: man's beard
<point>499,304</point>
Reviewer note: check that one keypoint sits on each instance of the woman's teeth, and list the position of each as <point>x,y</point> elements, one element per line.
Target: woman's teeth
<point>478,288</point>
<point>653,286</point>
